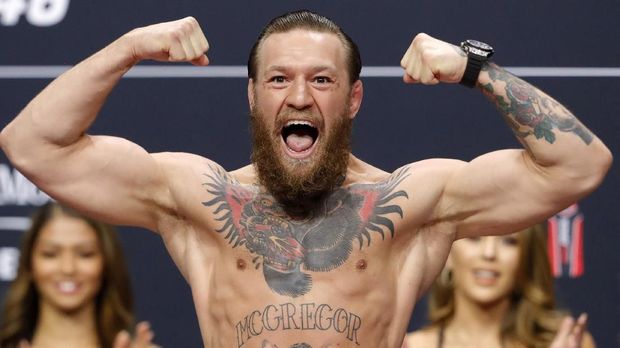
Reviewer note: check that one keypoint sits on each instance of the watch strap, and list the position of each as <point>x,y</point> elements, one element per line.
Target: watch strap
<point>472,70</point>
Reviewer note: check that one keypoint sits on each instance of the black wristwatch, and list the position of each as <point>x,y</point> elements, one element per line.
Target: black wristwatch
<point>478,53</point>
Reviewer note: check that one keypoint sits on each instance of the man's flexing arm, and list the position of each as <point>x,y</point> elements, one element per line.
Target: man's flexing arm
<point>108,177</point>
<point>502,191</point>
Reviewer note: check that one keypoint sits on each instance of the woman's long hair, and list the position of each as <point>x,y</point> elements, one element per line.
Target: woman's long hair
<point>532,319</point>
<point>114,301</point>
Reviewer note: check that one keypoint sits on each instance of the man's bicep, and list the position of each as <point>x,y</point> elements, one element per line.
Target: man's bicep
<point>109,178</point>
<point>499,192</point>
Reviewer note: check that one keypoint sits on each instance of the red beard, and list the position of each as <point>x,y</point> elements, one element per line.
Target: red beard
<point>299,186</point>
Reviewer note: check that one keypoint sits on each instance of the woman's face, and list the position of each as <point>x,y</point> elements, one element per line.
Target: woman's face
<point>67,264</point>
<point>485,268</point>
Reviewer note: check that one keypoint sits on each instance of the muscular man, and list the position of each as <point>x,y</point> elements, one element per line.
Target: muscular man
<point>308,246</point>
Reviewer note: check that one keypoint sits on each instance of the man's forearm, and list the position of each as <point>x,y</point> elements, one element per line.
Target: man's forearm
<point>551,134</point>
<point>62,112</point>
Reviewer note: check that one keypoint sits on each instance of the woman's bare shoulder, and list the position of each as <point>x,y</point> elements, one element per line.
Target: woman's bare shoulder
<point>424,338</point>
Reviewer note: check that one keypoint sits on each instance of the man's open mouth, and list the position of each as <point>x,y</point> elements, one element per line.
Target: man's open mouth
<point>299,136</point>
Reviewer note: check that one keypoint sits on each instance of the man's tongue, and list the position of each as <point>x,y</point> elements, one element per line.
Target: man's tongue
<point>299,141</point>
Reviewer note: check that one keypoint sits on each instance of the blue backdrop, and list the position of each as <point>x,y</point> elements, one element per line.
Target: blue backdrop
<point>397,124</point>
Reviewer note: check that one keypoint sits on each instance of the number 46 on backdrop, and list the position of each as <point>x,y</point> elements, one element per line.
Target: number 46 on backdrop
<point>40,13</point>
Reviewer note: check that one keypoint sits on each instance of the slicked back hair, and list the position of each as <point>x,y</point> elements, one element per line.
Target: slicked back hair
<point>307,20</point>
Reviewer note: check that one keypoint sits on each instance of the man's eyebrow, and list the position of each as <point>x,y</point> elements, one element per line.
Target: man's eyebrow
<point>276,68</point>
<point>327,68</point>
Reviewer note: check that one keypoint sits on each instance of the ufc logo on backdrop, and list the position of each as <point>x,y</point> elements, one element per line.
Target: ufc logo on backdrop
<point>565,242</point>
<point>40,13</point>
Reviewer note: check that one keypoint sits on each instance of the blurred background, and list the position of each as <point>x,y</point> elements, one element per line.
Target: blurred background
<point>569,49</point>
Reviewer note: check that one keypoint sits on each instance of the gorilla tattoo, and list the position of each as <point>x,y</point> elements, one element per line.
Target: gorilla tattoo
<point>320,242</point>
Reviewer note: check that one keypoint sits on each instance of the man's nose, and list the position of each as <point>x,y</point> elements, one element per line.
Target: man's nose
<point>299,96</point>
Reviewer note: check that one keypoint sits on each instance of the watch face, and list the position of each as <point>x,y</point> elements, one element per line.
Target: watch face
<point>480,45</point>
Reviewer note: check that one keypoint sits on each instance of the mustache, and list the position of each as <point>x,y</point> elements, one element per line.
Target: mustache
<point>299,187</point>
<point>293,114</point>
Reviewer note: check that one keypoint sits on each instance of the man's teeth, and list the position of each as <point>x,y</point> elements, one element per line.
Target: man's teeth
<point>67,286</point>
<point>486,274</point>
<point>299,123</point>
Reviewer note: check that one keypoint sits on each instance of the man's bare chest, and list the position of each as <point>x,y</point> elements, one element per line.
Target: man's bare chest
<point>290,250</point>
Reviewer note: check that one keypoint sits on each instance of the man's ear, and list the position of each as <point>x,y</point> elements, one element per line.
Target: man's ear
<point>251,93</point>
<point>355,98</point>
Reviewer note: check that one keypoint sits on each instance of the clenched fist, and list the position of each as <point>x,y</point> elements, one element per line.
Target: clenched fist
<point>430,61</point>
<point>177,41</point>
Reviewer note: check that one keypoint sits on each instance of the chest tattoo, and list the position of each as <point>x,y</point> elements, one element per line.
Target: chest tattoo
<point>321,242</point>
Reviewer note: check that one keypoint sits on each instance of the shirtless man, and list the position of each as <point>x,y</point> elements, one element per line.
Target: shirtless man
<point>308,246</point>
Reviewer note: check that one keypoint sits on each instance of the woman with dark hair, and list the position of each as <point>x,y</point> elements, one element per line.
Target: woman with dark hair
<point>497,292</point>
<point>72,287</point>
